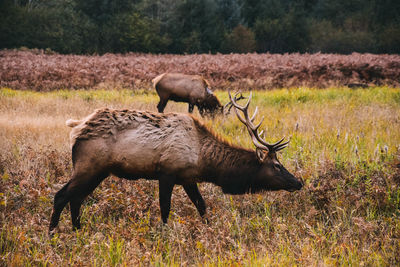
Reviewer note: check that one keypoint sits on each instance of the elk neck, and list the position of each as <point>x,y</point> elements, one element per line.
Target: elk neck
<point>228,166</point>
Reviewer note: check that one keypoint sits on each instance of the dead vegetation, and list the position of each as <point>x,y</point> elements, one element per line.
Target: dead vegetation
<point>347,213</point>
<point>43,72</point>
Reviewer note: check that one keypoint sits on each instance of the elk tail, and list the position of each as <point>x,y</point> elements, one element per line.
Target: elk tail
<point>72,123</point>
<point>207,83</point>
<point>157,79</point>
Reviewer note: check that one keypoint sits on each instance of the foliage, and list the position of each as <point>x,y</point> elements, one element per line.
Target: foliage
<point>284,34</point>
<point>240,40</point>
<point>330,39</point>
<point>38,70</point>
<point>189,26</point>
<point>389,39</point>
<point>344,144</point>
<point>198,29</point>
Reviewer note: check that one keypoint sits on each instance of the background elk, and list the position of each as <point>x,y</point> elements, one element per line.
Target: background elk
<point>175,149</point>
<point>192,89</point>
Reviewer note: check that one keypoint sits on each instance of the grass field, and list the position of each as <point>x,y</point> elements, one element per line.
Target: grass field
<point>345,144</point>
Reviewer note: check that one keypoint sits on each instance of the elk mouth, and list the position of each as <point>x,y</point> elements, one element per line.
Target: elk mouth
<point>299,185</point>
<point>292,189</point>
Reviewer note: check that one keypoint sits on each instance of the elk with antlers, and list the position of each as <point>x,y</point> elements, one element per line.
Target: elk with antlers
<point>175,149</point>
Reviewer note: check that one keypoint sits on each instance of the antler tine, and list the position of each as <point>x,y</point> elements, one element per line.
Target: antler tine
<point>240,116</point>
<point>247,121</point>
<point>230,105</point>
<point>282,146</point>
<point>252,135</point>
<point>275,146</point>
<point>230,96</point>
<point>255,127</point>
<point>254,114</point>
<point>277,143</point>
<point>248,101</point>
<point>234,99</point>
<point>258,141</point>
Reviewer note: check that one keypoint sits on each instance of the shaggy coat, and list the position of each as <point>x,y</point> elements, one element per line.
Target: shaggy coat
<point>175,149</point>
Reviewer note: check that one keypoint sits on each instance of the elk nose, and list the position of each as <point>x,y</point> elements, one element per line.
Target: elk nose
<point>300,183</point>
<point>296,185</point>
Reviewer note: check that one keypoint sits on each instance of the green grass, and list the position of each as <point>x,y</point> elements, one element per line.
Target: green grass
<point>345,144</point>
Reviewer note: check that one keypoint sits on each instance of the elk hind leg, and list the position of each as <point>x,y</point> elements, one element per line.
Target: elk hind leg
<point>166,185</point>
<point>74,192</point>
<point>161,105</point>
<point>83,187</point>
<point>75,205</point>
<point>60,200</point>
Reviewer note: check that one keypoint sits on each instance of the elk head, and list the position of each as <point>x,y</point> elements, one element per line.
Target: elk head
<point>210,105</point>
<point>272,175</point>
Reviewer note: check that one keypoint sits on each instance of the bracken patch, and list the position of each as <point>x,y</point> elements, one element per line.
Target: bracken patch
<point>43,72</point>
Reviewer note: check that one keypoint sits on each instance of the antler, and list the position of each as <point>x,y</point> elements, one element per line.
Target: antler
<point>253,129</point>
<point>231,105</point>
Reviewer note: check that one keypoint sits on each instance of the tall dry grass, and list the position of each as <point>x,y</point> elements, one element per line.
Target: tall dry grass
<point>344,143</point>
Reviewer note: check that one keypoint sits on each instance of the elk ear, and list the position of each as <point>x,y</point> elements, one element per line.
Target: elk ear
<point>261,155</point>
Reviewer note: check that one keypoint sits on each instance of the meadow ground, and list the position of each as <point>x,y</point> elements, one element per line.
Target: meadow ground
<point>345,144</point>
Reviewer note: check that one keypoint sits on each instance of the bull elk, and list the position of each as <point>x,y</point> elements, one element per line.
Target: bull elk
<point>192,89</point>
<point>175,149</point>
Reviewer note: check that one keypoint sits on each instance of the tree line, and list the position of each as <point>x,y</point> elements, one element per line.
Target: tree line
<point>201,26</point>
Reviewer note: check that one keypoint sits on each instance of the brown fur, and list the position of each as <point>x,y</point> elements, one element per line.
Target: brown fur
<point>175,149</point>
<point>107,122</point>
<point>192,89</point>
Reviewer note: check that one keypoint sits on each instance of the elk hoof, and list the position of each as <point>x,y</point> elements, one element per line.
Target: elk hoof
<point>51,233</point>
<point>205,220</point>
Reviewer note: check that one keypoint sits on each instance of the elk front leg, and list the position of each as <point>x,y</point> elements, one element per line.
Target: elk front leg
<point>166,185</point>
<point>194,194</point>
<point>201,110</point>
<point>191,107</point>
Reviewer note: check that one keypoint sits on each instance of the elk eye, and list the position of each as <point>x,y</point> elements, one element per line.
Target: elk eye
<point>277,167</point>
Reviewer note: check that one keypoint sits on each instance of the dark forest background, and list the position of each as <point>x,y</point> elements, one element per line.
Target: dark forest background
<point>201,26</point>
